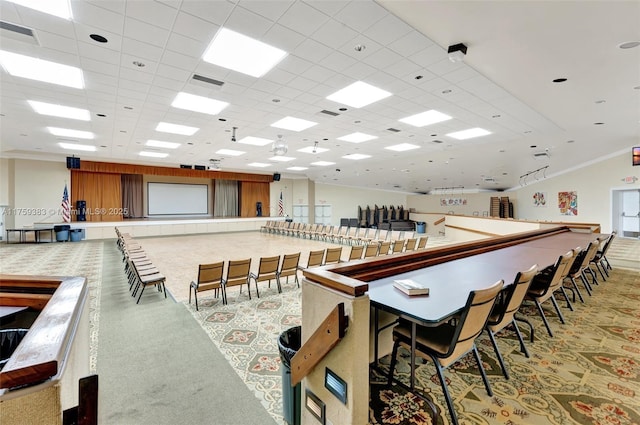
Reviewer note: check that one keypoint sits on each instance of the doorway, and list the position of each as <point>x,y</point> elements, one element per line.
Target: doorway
<point>626,213</point>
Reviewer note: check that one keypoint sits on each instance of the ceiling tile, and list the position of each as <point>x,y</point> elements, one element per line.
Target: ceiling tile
<point>303,19</point>
<point>153,13</point>
<point>360,15</point>
<point>145,32</point>
<point>194,27</point>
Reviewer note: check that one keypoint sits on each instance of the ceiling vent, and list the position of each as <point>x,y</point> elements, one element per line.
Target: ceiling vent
<point>394,130</point>
<point>18,32</point>
<point>207,80</point>
<point>541,155</point>
<point>333,114</point>
<point>489,179</point>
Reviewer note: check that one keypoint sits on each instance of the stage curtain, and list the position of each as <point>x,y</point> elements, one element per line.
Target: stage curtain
<point>132,195</point>
<point>250,194</point>
<point>102,192</point>
<point>225,198</point>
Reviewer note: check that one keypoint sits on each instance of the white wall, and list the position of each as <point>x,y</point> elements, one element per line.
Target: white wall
<point>38,187</point>
<point>476,203</point>
<point>344,201</point>
<point>4,181</point>
<point>593,185</point>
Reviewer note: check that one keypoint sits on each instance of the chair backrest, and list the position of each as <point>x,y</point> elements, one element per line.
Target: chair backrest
<point>210,273</point>
<point>289,264</point>
<point>557,274</point>
<point>422,242</point>
<point>396,235</point>
<point>411,244</point>
<point>268,266</point>
<point>238,272</point>
<point>472,322</point>
<point>512,297</point>
<point>383,235</point>
<point>332,255</point>
<point>356,252</point>
<point>315,258</point>
<point>603,251</point>
<point>398,246</point>
<point>384,248</point>
<point>592,250</point>
<point>371,250</point>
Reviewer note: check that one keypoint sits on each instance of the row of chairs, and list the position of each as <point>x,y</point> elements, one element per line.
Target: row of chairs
<point>238,273</point>
<point>495,308</point>
<point>350,235</point>
<point>140,270</point>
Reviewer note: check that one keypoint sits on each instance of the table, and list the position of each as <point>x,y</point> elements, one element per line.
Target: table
<point>22,234</point>
<point>450,283</point>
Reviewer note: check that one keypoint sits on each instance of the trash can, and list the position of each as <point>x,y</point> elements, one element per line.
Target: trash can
<point>76,234</point>
<point>9,341</point>
<point>62,232</point>
<point>289,343</point>
<point>421,227</point>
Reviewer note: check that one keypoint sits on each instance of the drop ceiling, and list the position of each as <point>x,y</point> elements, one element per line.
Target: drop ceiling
<point>505,85</point>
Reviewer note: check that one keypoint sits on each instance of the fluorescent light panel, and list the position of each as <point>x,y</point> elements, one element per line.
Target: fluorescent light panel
<point>357,137</point>
<point>311,149</point>
<point>293,124</point>
<point>356,156</point>
<point>322,163</point>
<point>202,104</point>
<point>469,134</point>
<point>41,70</point>
<point>60,111</point>
<point>258,164</point>
<point>67,132</point>
<point>161,144</point>
<point>255,141</point>
<point>402,147</point>
<point>230,152</point>
<point>297,168</point>
<point>184,130</point>
<point>59,8</point>
<point>238,52</point>
<point>281,158</point>
<point>154,154</point>
<point>358,94</point>
<point>76,147</point>
<point>425,118</point>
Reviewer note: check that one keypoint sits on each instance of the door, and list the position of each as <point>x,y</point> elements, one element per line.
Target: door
<point>629,224</point>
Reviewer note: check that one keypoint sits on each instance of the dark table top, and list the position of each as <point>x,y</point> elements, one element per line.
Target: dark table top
<point>450,283</point>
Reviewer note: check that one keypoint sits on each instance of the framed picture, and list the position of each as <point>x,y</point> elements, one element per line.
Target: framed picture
<point>568,203</point>
<point>540,199</point>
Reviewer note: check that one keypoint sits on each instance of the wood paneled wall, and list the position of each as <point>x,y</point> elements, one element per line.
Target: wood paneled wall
<point>101,191</point>
<point>250,193</point>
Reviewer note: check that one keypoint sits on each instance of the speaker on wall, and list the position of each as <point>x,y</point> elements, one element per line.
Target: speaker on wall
<point>185,166</point>
<point>73,162</point>
<point>276,177</point>
<point>199,167</point>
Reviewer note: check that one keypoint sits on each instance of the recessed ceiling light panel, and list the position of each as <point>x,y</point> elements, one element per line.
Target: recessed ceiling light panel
<point>281,158</point>
<point>356,156</point>
<point>469,134</point>
<point>76,147</point>
<point>184,130</point>
<point>293,124</point>
<point>161,144</point>
<point>297,168</point>
<point>359,94</point>
<point>202,104</point>
<point>59,8</point>
<point>60,111</point>
<point>425,118</point>
<point>238,52</point>
<point>153,154</point>
<point>402,147</point>
<point>313,149</point>
<point>67,132</point>
<point>357,137</point>
<point>229,152</point>
<point>41,70</point>
<point>255,141</point>
<point>259,164</point>
<point>322,163</point>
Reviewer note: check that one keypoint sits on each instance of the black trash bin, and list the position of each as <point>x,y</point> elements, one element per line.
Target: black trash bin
<point>289,343</point>
<point>62,232</point>
<point>9,341</point>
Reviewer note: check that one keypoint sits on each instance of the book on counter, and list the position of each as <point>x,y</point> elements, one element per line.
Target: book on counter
<point>411,287</point>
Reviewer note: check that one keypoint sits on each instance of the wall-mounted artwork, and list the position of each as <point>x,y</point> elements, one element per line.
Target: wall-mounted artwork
<point>568,203</point>
<point>540,199</point>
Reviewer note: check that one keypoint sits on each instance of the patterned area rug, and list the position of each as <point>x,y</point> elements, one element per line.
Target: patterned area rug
<point>588,373</point>
<point>62,259</point>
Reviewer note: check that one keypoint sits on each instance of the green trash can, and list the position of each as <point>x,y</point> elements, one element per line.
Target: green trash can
<point>289,343</point>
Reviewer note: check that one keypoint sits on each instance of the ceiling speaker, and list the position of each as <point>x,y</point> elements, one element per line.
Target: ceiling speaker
<point>276,177</point>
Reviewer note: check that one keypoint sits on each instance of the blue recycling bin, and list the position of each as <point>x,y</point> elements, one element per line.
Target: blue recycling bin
<point>421,227</point>
<point>62,232</point>
<point>76,234</point>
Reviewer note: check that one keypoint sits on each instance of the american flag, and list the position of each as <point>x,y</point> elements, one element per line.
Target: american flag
<point>280,206</point>
<point>66,206</point>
